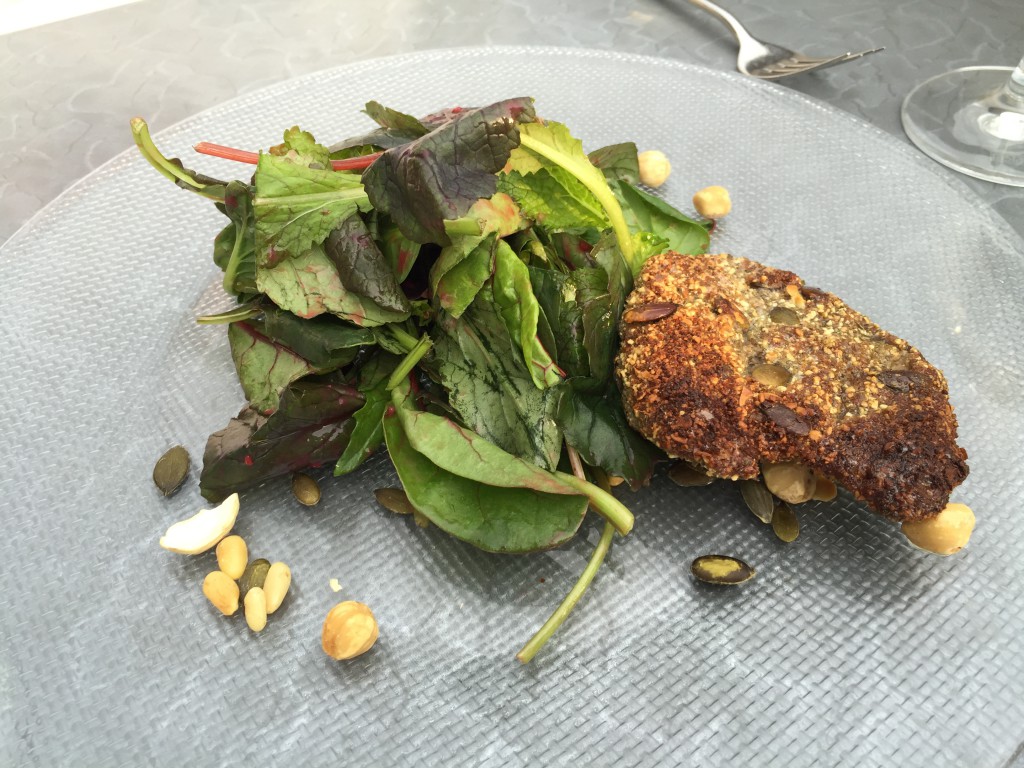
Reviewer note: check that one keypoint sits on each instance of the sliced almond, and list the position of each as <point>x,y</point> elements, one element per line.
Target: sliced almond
<point>203,530</point>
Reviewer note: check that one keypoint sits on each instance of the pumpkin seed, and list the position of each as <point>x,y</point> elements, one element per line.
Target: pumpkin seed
<point>171,470</point>
<point>721,569</point>
<point>771,374</point>
<point>758,499</point>
<point>785,523</point>
<point>648,313</point>
<point>255,575</point>
<point>784,316</point>
<point>305,489</point>
<point>395,500</point>
<point>688,476</point>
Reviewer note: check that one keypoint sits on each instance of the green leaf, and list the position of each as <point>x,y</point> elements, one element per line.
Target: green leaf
<point>489,387</point>
<point>554,198</point>
<point>518,307</point>
<point>543,145</point>
<point>647,213</point>
<point>234,249</point>
<point>461,274</point>
<point>495,519</point>
<point>618,162</point>
<point>395,122</point>
<point>441,175</point>
<point>297,207</point>
<point>311,427</point>
<point>400,251</point>
<point>310,285</point>
<point>595,425</point>
<point>300,147</point>
<point>327,343</point>
<point>264,367</point>
<point>368,433</point>
<point>465,453</point>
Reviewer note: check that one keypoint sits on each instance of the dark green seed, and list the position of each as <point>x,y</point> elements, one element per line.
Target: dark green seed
<point>305,489</point>
<point>171,470</point>
<point>758,499</point>
<point>395,500</point>
<point>688,476</point>
<point>254,575</point>
<point>721,569</point>
<point>785,522</point>
<point>784,316</point>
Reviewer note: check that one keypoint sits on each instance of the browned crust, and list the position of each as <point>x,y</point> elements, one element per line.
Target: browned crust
<point>864,408</point>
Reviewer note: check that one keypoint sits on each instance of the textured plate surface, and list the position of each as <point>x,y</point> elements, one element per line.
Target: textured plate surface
<point>850,648</point>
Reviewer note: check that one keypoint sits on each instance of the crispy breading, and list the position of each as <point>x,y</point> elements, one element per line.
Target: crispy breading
<point>863,407</point>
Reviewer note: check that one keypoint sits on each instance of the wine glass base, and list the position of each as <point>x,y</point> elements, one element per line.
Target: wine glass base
<point>965,120</point>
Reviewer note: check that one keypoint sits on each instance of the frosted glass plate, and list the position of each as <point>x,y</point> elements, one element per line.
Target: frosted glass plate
<point>850,648</point>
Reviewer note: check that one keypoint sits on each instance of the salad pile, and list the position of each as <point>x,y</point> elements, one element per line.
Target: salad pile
<point>449,288</point>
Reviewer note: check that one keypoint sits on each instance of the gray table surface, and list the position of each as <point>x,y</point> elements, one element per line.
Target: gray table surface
<point>69,87</point>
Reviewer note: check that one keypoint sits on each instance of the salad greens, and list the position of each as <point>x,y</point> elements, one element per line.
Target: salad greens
<point>448,287</point>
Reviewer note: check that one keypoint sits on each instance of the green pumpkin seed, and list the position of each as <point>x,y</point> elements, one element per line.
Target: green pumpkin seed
<point>785,522</point>
<point>171,470</point>
<point>758,499</point>
<point>721,569</point>
<point>784,316</point>
<point>254,575</point>
<point>395,500</point>
<point>688,476</point>
<point>771,375</point>
<point>305,489</point>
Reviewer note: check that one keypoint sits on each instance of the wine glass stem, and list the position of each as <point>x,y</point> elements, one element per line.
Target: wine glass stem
<point>1014,89</point>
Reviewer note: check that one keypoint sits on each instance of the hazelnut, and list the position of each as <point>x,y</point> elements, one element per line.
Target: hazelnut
<point>654,167</point>
<point>712,202</point>
<point>349,630</point>
<point>946,533</point>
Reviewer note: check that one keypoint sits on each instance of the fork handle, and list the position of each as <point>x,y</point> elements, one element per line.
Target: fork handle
<point>730,21</point>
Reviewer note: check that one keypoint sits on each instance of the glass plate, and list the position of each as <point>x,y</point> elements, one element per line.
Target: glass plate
<point>850,648</point>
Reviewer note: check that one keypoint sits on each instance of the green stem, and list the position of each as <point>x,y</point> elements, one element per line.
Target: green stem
<point>231,270</point>
<point>241,312</point>
<point>467,225</point>
<point>140,132</point>
<point>606,505</point>
<point>409,362</point>
<point>600,190</point>
<point>403,337</point>
<point>562,611</point>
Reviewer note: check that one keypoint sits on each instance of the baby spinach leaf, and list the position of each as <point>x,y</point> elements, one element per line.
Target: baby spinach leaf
<point>647,213</point>
<point>300,147</point>
<point>440,175</point>
<point>264,366</point>
<point>618,162</point>
<point>594,424</point>
<point>364,271</point>
<point>495,519</point>
<point>368,432</point>
<point>462,274</point>
<point>518,307</point>
<point>310,285</point>
<point>463,452</point>
<point>396,122</point>
<point>311,427</point>
<point>557,298</point>
<point>325,342</point>
<point>490,388</point>
<point>297,207</point>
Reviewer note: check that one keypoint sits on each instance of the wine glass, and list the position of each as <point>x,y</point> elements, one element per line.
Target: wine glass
<point>972,120</point>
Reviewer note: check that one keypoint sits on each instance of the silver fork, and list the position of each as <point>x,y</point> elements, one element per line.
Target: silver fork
<point>767,61</point>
